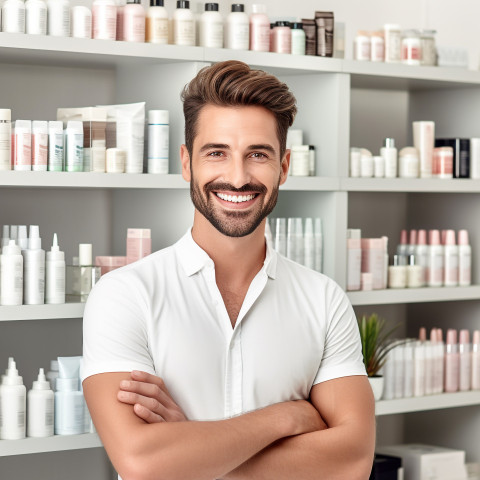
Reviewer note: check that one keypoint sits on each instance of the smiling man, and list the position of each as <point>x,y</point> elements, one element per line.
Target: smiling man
<point>216,357</point>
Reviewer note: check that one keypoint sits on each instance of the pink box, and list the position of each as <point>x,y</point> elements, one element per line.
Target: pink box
<point>139,244</point>
<point>107,264</point>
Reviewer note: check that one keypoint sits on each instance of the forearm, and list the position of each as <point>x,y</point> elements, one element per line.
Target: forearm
<point>333,454</point>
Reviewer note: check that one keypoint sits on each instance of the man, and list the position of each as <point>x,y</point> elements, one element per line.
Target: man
<point>217,358</point>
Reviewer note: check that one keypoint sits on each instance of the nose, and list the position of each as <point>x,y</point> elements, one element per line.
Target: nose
<point>237,172</point>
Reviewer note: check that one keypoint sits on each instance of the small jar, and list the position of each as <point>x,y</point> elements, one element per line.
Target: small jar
<point>397,273</point>
<point>377,51</point>
<point>414,273</point>
<point>366,282</point>
<point>281,38</point>
<point>298,39</point>
<point>355,157</point>
<point>408,163</point>
<point>393,43</point>
<point>378,167</point>
<point>411,47</point>
<point>300,161</point>
<point>363,46</point>
<point>429,49</point>
<point>366,166</point>
<point>442,162</point>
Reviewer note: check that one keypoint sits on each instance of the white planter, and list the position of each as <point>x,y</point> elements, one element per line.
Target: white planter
<point>377,386</point>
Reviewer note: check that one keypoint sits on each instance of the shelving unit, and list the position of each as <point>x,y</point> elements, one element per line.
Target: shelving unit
<point>333,112</point>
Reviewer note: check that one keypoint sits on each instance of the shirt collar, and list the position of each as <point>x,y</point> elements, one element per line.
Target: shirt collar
<point>193,258</point>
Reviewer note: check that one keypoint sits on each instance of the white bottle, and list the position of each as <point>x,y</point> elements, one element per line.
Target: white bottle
<point>74,146</point>
<point>419,370</point>
<point>23,145</point>
<point>5,139</point>
<point>429,367</point>
<point>69,407</point>
<point>183,24</point>
<point>476,360</point>
<point>81,22</point>
<point>309,245</point>
<point>464,350</point>
<point>354,259</point>
<point>40,408</point>
<point>35,17</point>
<point>389,375</point>
<point>281,236</point>
<point>55,146</point>
<point>52,374</point>
<point>39,146</point>
<point>104,15</point>
<point>34,269</point>
<point>55,274</point>
<point>435,260</point>
<point>5,235</point>
<point>157,23</point>
<point>408,383</point>
<point>298,39</point>
<point>211,27</point>
<point>22,239</point>
<point>158,144</point>
<point>464,259</point>
<point>389,153</point>
<point>58,17</point>
<point>134,22</point>
<point>13,16</point>
<point>398,358</point>
<point>421,254</point>
<point>318,239</point>
<point>11,275</point>
<point>237,28</point>
<point>12,404</point>
<point>451,260</point>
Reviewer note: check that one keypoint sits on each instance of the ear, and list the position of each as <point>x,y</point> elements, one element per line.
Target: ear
<point>285,165</point>
<point>185,159</point>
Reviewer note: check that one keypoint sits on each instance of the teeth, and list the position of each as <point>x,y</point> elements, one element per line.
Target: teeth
<point>235,198</point>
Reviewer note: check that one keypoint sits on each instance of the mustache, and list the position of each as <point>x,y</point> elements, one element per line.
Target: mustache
<point>248,187</point>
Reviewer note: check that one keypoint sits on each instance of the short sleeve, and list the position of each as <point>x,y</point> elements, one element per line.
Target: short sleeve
<point>114,328</point>
<point>342,353</point>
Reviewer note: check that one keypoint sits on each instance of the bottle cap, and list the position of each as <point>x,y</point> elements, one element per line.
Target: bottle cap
<point>54,365</point>
<point>297,25</point>
<point>85,256</point>
<point>22,239</point>
<point>5,115</point>
<point>211,7</point>
<point>464,337</point>
<point>41,383</point>
<point>422,334</point>
<point>450,237</point>
<point>403,237</point>
<point>259,8</point>
<point>34,240</point>
<point>413,237</point>
<point>412,260</point>
<point>439,335</point>
<point>158,117</point>
<point>308,227</point>
<point>399,260</point>
<point>433,335</point>
<point>55,254</point>
<point>422,237</point>
<point>451,336</point>
<point>156,3</point>
<point>463,237</point>
<point>238,7</point>
<point>282,23</point>
<point>11,249</point>
<point>11,376</point>
<point>476,337</point>
<point>183,4</point>
<point>434,237</point>
<point>6,231</point>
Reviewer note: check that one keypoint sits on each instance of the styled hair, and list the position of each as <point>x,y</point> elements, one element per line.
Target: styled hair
<point>234,83</point>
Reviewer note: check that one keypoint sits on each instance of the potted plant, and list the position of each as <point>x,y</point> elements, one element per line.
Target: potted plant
<point>376,345</point>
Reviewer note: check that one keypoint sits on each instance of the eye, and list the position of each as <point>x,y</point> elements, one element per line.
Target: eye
<point>215,154</point>
<point>259,155</point>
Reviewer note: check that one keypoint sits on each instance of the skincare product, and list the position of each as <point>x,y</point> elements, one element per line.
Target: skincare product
<point>451,362</point>
<point>39,146</point>
<point>419,369</point>
<point>451,260</point>
<point>183,24</point>
<point>389,376</point>
<point>310,29</point>
<point>429,50</point>
<point>397,273</point>
<point>23,145</point>
<point>355,161</point>
<point>412,243</point>
<point>464,259</point>
<point>211,27</point>
<point>52,374</point>
<point>158,141</point>
<point>354,259</point>
<point>139,244</point>
<point>398,359</point>
<point>373,260</point>
<point>393,43</point>
<point>409,372</point>
<point>443,162</point>
<point>34,269</point>
<point>421,254</point>
<point>389,153</point>
<point>104,13</point>
<point>312,161</point>
<point>108,264</point>
<point>85,261</point>
<point>378,167</point>
<point>120,10</point>
<point>11,275</point>
<point>476,360</point>
<point>362,47</point>
<point>58,16</point>
<point>435,260</point>
<point>74,146</point>
<point>55,274</point>
<point>5,139</point>
<point>13,16</point>
<point>414,273</point>
<point>298,39</point>
<point>116,158</point>
<point>259,29</point>
<point>366,282</point>
<point>5,235</point>
<point>55,146</point>
<point>35,17</point>
<point>300,160</point>
<point>157,23</point>
<point>281,38</point>
<point>423,140</point>
<point>12,404</point>
<point>461,155</point>
<point>309,244</point>
<point>40,408</point>
<point>237,28</point>
<point>408,163</point>
<point>366,164</point>
<point>403,245</point>
<point>377,50</point>
<point>22,239</point>
<point>81,22</point>
<point>281,236</point>
<point>464,353</point>
<point>325,28</point>
<point>318,239</point>
<point>134,22</point>
<point>411,47</point>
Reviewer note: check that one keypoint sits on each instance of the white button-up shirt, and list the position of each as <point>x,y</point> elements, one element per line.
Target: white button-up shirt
<point>165,315</point>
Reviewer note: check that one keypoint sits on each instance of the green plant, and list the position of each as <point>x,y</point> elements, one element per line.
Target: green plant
<point>376,343</point>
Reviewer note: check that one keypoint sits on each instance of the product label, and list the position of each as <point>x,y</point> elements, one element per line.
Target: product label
<point>104,22</point>
<point>40,149</point>
<point>213,36</point>
<point>260,38</point>
<point>238,37</point>
<point>23,149</point>
<point>157,30</point>
<point>184,32</point>
<point>5,145</point>
<point>13,19</point>
<point>55,161</point>
<point>393,46</point>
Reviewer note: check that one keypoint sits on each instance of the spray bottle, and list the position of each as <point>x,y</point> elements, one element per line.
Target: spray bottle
<point>55,274</point>
<point>34,269</point>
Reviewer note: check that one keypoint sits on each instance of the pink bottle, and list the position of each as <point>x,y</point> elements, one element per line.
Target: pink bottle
<point>402,246</point>
<point>422,334</point>
<point>134,22</point>
<point>441,361</point>
<point>465,361</point>
<point>259,29</point>
<point>139,244</point>
<point>451,362</point>
<point>412,243</point>
<point>451,260</point>
<point>281,38</point>
<point>435,260</point>
<point>476,360</point>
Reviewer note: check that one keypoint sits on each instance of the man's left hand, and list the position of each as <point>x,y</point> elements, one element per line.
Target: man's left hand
<point>150,398</point>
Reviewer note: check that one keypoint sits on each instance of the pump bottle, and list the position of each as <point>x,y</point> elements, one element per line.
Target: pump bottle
<point>55,274</point>
<point>40,408</point>
<point>34,271</point>
<point>237,29</point>
<point>157,23</point>
<point>12,404</point>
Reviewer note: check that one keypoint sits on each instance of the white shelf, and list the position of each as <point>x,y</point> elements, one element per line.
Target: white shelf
<point>41,312</point>
<point>430,402</point>
<point>327,184</point>
<point>57,443</point>
<point>414,295</point>
<point>427,185</point>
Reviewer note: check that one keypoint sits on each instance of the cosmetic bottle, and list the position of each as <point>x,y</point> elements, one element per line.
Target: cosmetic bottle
<point>464,259</point>
<point>312,161</point>
<point>291,239</point>
<point>421,254</point>
<point>23,145</point>
<point>325,23</point>
<point>461,155</point>
<point>354,259</point>
<point>389,375</point>
<point>373,260</point>
<point>451,260</point>
<point>385,262</point>
<point>451,362</point>
<point>300,161</point>
<point>139,244</point>
<point>414,273</point>
<point>465,359</point>
<point>309,246</point>
<point>424,140</point>
<point>116,159</point>
<point>409,374</point>
<point>40,408</point>
<point>259,29</point>
<point>435,260</point>
<point>419,369</point>
<point>355,158</point>
<point>474,158</point>
<point>398,357</point>
<point>393,43</point>
<point>120,10</point>
<point>378,167</point>
<point>408,165</point>
<point>58,17</point>
<point>440,365</point>
<point>299,247</point>
<point>85,262</point>
<point>158,136</point>
<point>34,269</point>
<point>55,150</point>
<point>134,22</point>
<point>13,233</point>
<point>157,23</point>
<point>443,162</point>
<point>281,236</point>
<point>362,46</point>
<point>74,146</point>
<point>5,235</point>
<point>318,239</point>
<point>403,245</point>
<point>366,282</point>
<point>5,139</point>
<point>35,17</point>
<point>183,24</point>
<point>282,38</point>
<point>211,27</point>
<point>12,404</point>
<point>69,402</point>
<point>13,16</point>
<point>412,243</point>
<point>11,275</point>
<point>22,239</point>
<point>422,334</point>
<point>104,16</point>
<point>39,146</point>
<point>52,374</point>
<point>366,164</point>
<point>377,50</point>
<point>297,38</point>
<point>429,367</point>
<point>237,28</point>
<point>411,47</point>
<point>476,360</point>
<point>397,273</point>
<point>81,22</point>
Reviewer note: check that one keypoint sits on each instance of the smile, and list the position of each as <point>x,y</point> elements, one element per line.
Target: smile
<point>236,198</point>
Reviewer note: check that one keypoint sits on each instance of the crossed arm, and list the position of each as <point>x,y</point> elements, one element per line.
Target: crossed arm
<point>154,440</point>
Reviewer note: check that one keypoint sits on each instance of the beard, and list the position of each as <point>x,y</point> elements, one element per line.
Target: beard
<point>232,223</point>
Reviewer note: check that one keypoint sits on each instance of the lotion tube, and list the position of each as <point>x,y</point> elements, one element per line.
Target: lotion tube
<point>424,140</point>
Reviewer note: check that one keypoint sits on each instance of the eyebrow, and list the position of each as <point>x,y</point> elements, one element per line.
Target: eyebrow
<point>223,146</point>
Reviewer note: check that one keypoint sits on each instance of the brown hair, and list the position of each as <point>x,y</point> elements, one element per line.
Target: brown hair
<point>234,83</point>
